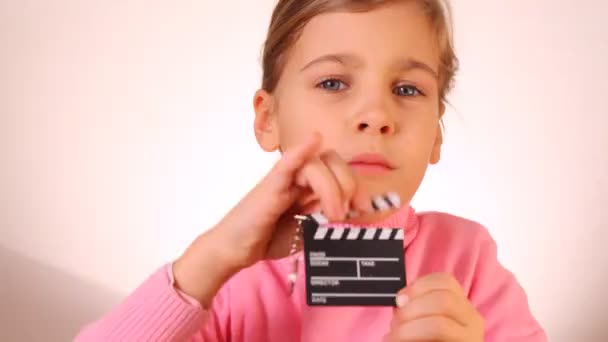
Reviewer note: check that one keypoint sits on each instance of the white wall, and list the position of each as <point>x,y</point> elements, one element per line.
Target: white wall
<point>111,114</point>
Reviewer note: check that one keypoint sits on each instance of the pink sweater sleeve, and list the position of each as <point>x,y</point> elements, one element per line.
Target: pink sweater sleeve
<point>156,311</point>
<point>501,300</point>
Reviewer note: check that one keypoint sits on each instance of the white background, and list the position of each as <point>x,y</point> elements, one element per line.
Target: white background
<point>126,130</point>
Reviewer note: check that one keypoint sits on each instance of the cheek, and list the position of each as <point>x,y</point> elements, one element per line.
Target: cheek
<point>420,125</point>
<point>416,139</point>
<point>296,125</point>
<point>299,119</point>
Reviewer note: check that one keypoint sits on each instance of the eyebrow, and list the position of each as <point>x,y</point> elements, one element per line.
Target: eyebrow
<point>343,59</point>
<point>407,64</point>
<point>413,64</point>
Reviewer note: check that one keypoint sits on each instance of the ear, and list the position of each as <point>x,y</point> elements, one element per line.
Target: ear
<point>265,124</point>
<point>436,152</point>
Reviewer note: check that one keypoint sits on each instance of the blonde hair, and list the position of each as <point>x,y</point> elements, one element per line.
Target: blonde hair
<point>290,16</point>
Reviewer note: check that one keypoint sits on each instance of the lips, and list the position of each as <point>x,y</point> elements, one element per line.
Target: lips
<point>371,162</point>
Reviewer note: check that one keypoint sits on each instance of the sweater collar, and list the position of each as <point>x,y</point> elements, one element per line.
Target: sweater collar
<point>404,218</point>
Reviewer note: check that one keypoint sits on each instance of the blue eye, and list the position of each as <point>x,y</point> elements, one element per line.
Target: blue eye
<point>332,84</point>
<point>407,91</point>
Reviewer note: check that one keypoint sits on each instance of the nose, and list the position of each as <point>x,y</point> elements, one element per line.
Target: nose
<point>376,122</point>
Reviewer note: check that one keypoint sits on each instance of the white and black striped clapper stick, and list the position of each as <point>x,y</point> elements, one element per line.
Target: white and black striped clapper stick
<point>348,265</point>
<point>384,202</point>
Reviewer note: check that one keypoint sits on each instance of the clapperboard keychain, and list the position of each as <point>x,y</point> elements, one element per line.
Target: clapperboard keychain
<point>348,265</point>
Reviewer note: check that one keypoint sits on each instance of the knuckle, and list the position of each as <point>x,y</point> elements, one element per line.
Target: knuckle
<point>443,277</point>
<point>438,325</point>
<point>447,280</point>
<point>301,179</point>
<point>441,327</point>
<point>444,301</point>
<point>454,281</point>
<point>349,185</point>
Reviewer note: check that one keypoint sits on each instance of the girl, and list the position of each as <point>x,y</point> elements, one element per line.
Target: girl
<point>352,95</point>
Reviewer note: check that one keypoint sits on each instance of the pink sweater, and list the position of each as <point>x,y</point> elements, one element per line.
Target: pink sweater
<point>254,306</point>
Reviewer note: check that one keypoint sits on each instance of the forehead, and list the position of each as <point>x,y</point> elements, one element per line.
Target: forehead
<point>397,30</point>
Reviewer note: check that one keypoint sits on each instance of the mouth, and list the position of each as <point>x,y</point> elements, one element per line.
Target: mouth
<point>371,163</point>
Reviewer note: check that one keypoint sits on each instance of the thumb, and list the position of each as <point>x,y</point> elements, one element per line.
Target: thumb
<point>402,297</point>
<point>296,157</point>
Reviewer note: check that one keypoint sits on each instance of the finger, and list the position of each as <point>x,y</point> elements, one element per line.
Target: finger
<point>432,282</point>
<point>316,175</point>
<point>343,175</point>
<point>310,208</point>
<point>295,158</point>
<point>361,201</point>
<point>433,328</point>
<point>435,303</point>
<point>307,196</point>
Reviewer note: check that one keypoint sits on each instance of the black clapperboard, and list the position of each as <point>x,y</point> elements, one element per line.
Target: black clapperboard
<point>350,266</point>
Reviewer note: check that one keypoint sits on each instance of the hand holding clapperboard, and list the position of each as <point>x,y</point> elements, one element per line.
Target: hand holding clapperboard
<point>351,265</point>
<point>345,264</point>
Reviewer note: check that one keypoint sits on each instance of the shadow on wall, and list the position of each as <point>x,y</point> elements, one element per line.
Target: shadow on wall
<point>585,321</point>
<point>41,303</point>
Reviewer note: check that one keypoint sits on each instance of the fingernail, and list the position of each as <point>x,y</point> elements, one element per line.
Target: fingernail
<point>379,203</point>
<point>393,199</point>
<point>402,300</point>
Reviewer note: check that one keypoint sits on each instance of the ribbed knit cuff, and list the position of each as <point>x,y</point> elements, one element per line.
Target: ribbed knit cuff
<point>154,312</point>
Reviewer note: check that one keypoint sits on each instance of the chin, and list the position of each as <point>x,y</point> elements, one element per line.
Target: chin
<point>377,184</point>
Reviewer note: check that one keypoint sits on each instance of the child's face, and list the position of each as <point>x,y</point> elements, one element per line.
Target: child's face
<point>368,83</point>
